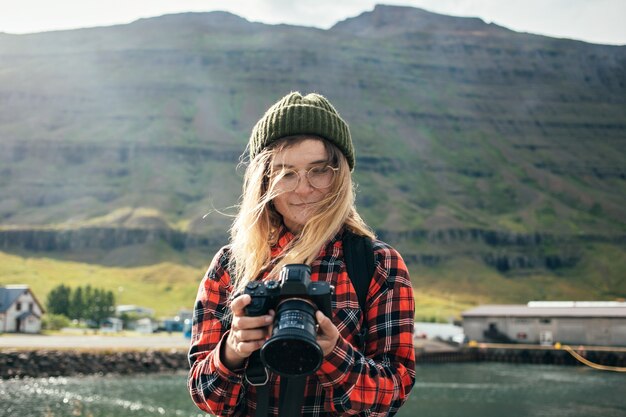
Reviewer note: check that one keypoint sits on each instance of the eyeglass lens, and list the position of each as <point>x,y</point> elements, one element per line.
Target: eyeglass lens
<point>318,177</point>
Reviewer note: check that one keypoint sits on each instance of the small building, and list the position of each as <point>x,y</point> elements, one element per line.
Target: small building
<point>112,325</point>
<point>134,310</point>
<point>20,311</point>
<point>145,325</point>
<point>176,323</point>
<point>172,324</point>
<point>547,322</point>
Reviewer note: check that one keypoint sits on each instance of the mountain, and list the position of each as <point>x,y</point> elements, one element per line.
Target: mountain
<point>494,160</point>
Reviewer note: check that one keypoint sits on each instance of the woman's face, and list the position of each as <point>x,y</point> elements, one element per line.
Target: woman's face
<point>298,206</point>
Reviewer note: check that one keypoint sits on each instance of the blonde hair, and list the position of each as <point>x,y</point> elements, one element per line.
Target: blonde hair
<point>257,225</point>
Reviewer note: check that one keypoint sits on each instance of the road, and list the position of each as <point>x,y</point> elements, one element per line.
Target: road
<point>100,341</point>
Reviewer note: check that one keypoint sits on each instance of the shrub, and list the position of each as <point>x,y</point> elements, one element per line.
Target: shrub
<point>54,321</point>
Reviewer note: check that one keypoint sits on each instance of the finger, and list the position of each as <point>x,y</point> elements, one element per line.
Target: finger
<point>324,322</point>
<point>246,349</point>
<point>250,335</point>
<point>270,327</point>
<point>328,334</point>
<point>239,303</point>
<point>247,322</point>
<point>237,350</point>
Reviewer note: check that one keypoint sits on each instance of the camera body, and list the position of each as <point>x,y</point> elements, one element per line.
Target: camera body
<point>292,349</point>
<point>294,282</point>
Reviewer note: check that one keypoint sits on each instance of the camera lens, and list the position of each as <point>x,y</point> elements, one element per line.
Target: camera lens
<point>293,350</point>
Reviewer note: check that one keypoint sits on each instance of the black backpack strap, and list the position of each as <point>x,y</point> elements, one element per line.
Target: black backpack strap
<point>358,255</point>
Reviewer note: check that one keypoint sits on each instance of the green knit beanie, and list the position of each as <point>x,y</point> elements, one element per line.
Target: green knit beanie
<point>296,115</point>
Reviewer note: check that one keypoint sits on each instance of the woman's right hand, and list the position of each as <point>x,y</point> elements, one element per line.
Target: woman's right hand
<point>246,335</point>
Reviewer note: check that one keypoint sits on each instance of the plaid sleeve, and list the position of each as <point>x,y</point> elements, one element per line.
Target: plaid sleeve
<point>213,387</point>
<point>378,380</point>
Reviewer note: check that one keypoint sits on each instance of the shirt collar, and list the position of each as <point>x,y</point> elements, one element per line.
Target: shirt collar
<point>285,237</point>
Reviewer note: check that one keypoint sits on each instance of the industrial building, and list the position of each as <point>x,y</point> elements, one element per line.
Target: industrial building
<point>547,322</point>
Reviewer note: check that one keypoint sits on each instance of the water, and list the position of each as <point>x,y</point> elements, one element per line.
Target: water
<point>497,390</point>
<point>445,390</point>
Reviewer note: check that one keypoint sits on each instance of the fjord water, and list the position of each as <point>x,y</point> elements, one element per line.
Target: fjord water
<point>441,390</point>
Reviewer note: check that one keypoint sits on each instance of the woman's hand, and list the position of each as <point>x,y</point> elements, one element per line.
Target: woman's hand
<point>327,334</point>
<point>246,335</point>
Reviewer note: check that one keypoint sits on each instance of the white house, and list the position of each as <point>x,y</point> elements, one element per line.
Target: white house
<point>20,312</point>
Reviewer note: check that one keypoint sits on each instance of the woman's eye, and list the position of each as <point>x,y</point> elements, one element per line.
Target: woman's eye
<point>319,170</point>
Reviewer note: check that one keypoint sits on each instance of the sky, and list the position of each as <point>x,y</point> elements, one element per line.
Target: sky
<point>596,21</point>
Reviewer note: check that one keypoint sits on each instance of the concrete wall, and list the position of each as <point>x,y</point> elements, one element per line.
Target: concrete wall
<point>44,363</point>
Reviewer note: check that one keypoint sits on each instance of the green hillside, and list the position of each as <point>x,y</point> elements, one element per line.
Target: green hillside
<point>493,160</point>
<point>165,287</point>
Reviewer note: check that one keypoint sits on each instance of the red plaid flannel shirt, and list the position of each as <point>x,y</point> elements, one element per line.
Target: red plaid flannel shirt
<point>349,382</point>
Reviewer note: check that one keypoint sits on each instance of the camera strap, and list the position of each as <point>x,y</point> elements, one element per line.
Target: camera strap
<point>360,265</point>
<point>291,396</point>
<point>262,400</point>
<point>257,375</point>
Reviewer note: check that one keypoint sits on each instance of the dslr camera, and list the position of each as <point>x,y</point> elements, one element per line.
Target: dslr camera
<point>292,349</point>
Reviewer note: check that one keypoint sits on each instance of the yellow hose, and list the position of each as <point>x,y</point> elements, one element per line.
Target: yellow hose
<point>588,362</point>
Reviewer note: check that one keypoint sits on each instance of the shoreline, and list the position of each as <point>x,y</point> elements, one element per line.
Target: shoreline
<point>22,363</point>
<point>23,356</point>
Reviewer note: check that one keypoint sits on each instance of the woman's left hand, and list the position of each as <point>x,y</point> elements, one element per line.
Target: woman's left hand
<point>327,334</point>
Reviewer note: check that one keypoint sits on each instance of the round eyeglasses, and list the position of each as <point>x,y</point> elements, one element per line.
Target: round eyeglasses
<point>320,176</point>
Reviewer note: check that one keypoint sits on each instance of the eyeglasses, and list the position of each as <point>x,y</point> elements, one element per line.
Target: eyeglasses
<point>320,176</point>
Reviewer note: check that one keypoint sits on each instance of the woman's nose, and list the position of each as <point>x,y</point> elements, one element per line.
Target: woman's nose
<point>304,186</point>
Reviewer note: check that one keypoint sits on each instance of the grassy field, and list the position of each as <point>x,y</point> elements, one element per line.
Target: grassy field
<point>165,287</point>
<point>169,287</point>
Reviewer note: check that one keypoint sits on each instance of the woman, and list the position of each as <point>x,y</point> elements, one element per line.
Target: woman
<point>297,203</point>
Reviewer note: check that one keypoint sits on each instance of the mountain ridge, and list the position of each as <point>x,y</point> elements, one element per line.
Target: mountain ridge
<point>492,133</point>
<point>386,20</point>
